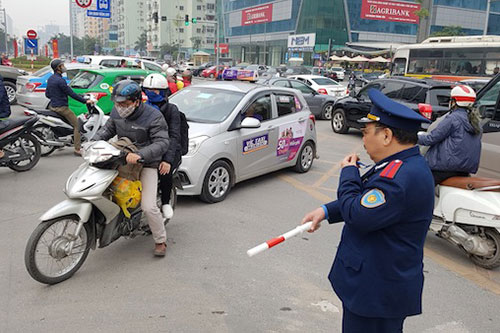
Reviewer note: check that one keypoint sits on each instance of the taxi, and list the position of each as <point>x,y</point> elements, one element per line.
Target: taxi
<point>238,131</point>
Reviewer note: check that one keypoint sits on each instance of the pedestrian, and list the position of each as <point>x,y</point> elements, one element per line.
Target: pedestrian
<point>172,81</point>
<point>455,142</point>
<point>146,127</point>
<point>4,107</point>
<point>496,70</point>
<point>123,63</point>
<point>378,269</point>
<point>187,77</point>
<point>57,92</point>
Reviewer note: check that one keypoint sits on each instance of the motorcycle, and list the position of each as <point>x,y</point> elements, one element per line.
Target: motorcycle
<point>22,150</point>
<point>54,131</point>
<point>89,218</point>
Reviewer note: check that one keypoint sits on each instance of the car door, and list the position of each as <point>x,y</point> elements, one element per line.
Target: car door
<point>313,99</point>
<point>257,145</point>
<point>359,106</point>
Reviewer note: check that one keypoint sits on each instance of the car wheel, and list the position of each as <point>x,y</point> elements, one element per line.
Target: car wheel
<point>327,111</point>
<point>211,76</point>
<point>305,158</point>
<point>339,122</point>
<point>10,88</point>
<point>217,183</point>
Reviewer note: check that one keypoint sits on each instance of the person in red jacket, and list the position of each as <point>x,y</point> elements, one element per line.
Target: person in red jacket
<point>187,77</point>
<point>172,82</point>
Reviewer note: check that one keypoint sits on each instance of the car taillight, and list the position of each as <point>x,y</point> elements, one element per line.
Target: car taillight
<point>323,91</point>
<point>98,95</point>
<point>347,91</point>
<point>313,119</point>
<point>31,86</point>
<point>425,110</point>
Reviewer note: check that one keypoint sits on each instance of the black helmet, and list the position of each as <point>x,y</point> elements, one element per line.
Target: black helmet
<point>126,90</point>
<point>56,63</point>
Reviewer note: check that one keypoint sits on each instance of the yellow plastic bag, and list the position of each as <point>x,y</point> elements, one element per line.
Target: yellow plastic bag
<point>126,194</point>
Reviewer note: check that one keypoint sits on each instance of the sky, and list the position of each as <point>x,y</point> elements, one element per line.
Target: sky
<point>31,14</point>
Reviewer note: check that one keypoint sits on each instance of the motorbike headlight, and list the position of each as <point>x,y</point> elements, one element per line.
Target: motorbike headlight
<point>99,151</point>
<point>195,143</point>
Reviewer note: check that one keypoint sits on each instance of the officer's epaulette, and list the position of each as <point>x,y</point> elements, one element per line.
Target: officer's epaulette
<point>391,169</point>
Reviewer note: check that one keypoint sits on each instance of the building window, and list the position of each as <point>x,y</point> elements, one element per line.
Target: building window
<point>198,30</point>
<point>181,7</point>
<point>198,7</point>
<point>210,6</point>
<point>181,30</point>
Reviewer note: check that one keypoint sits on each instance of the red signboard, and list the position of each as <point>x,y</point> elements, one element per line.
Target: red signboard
<point>223,48</point>
<point>392,11</point>
<point>55,48</point>
<point>31,34</point>
<point>16,49</point>
<point>256,15</point>
<point>84,3</point>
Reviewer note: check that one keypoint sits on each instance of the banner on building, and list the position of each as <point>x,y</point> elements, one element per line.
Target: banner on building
<point>55,48</point>
<point>391,11</point>
<point>257,15</point>
<point>301,43</point>
<point>223,48</point>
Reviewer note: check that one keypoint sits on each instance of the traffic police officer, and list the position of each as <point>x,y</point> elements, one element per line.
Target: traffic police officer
<point>378,270</point>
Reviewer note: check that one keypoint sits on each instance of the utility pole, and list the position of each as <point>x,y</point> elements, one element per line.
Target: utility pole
<point>5,31</point>
<point>71,32</point>
<point>485,31</point>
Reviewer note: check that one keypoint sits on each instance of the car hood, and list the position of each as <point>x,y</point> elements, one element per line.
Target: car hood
<point>347,99</point>
<point>199,129</point>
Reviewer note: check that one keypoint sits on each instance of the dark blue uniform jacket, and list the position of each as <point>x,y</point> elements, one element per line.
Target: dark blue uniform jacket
<point>378,268</point>
<point>4,101</point>
<point>58,91</point>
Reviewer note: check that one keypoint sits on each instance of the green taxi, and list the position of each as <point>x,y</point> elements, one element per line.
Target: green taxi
<point>99,82</point>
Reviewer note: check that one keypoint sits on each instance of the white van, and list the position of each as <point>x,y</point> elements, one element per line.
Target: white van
<point>114,61</point>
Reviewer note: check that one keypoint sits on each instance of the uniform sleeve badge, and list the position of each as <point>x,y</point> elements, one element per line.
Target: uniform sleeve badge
<point>373,198</point>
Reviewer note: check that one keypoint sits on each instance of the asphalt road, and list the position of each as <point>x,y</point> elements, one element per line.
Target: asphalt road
<point>207,283</point>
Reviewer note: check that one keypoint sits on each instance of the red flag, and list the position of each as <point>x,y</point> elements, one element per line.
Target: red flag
<point>55,48</point>
<point>16,51</point>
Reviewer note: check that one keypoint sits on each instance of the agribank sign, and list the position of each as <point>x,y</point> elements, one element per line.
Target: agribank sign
<point>393,11</point>
<point>256,15</point>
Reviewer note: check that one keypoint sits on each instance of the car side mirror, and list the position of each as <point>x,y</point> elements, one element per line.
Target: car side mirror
<point>250,122</point>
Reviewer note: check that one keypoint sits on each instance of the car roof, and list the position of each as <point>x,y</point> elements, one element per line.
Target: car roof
<point>236,86</point>
<point>307,76</point>
<point>119,71</point>
<point>424,82</point>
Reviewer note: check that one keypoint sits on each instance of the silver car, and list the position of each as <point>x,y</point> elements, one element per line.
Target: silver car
<point>238,131</point>
<point>31,88</point>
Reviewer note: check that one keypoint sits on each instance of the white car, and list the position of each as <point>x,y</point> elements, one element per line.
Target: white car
<point>114,61</point>
<point>322,85</point>
<point>188,65</point>
<point>339,71</point>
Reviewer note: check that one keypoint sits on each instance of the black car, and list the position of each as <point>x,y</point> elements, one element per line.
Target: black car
<point>429,97</point>
<point>320,105</point>
<point>298,70</point>
<point>197,71</point>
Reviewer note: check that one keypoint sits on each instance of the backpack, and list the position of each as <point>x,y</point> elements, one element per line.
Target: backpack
<point>184,134</point>
<point>128,171</point>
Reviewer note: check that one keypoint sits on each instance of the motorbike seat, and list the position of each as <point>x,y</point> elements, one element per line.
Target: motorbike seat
<point>7,125</point>
<point>471,183</point>
<point>49,113</point>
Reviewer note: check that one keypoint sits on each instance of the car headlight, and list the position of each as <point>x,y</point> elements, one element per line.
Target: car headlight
<point>195,144</point>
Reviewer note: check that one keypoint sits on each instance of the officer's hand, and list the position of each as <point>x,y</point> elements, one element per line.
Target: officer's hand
<point>89,102</point>
<point>316,216</point>
<point>133,158</point>
<point>349,160</point>
<point>164,168</point>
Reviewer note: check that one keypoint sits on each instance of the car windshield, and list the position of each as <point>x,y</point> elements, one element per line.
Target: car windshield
<point>41,72</point>
<point>84,80</point>
<point>337,69</point>
<point>440,96</point>
<point>253,67</point>
<point>272,70</point>
<point>206,105</point>
<point>325,82</point>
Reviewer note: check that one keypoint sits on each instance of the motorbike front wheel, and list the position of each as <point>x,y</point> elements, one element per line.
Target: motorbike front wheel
<point>45,133</point>
<point>26,145</point>
<point>47,256</point>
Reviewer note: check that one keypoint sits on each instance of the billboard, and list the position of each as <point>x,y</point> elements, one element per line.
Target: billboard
<point>257,15</point>
<point>304,42</point>
<point>391,11</point>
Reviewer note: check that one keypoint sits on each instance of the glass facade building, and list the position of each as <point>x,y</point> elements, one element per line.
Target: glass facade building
<point>336,22</point>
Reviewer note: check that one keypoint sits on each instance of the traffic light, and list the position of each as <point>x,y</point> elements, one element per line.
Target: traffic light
<point>186,20</point>
<point>194,20</point>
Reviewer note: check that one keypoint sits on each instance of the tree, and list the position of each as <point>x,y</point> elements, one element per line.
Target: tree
<point>142,42</point>
<point>423,14</point>
<point>454,30</point>
<point>196,40</point>
<point>169,49</point>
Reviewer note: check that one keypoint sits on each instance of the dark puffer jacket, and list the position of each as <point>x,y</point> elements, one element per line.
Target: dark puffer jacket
<point>4,101</point>
<point>146,127</point>
<point>454,145</point>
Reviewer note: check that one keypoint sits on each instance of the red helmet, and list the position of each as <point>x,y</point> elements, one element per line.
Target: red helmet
<point>463,95</point>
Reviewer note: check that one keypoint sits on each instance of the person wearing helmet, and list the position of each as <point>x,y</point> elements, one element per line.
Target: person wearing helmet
<point>164,68</point>
<point>172,81</point>
<point>455,143</point>
<point>154,85</point>
<point>187,77</point>
<point>146,127</point>
<point>57,92</point>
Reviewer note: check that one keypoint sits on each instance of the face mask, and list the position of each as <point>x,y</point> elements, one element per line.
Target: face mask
<point>125,111</point>
<point>63,69</point>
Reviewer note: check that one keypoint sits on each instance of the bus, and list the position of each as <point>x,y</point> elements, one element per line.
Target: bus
<point>449,58</point>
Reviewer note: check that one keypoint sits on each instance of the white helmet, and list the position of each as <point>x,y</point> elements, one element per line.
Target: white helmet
<point>171,71</point>
<point>164,67</point>
<point>463,95</point>
<point>155,81</point>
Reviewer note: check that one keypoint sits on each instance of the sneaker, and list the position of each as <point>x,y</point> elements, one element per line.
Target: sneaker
<point>167,211</point>
<point>160,250</point>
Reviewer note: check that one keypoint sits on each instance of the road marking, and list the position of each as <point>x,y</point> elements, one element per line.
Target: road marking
<point>306,188</point>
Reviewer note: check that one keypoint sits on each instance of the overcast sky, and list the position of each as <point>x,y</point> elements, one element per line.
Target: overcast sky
<point>31,14</point>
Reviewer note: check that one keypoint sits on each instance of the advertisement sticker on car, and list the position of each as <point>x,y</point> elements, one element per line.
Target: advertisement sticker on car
<point>255,144</point>
<point>246,75</point>
<point>104,86</point>
<point>290,140</point>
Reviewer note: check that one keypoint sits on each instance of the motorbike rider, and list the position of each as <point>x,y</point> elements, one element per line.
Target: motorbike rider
<point>58,92</point>
<point>146,127</point>
<point>455,143</point>
<point>153,85</point>
<point>4,107</point>
<point>187,78</point>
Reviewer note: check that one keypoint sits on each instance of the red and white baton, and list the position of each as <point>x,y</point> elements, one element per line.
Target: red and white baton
<point>275,241</point>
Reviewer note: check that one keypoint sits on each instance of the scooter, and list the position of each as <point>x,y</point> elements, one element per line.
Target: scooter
<point>54,131</point>
<point>467,213</point>
<point>21,149</point>
<point>88,219</point>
